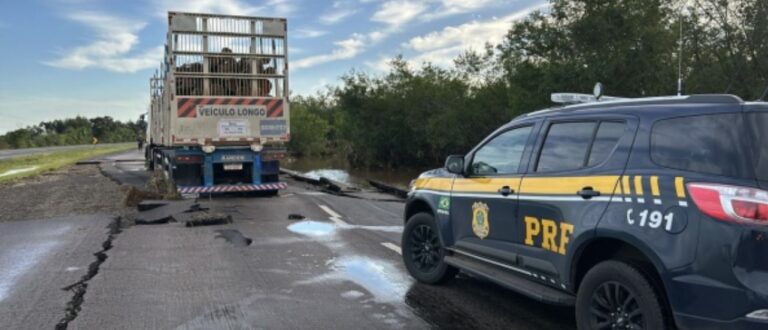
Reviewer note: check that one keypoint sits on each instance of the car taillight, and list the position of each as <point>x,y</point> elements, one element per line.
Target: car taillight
<point>731,203</point>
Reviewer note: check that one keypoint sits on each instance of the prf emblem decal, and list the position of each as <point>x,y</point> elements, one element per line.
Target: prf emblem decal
<point>444,204</point>
<point>480,225</point>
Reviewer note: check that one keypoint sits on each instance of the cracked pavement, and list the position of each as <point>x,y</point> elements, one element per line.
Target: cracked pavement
<point>335,266</point>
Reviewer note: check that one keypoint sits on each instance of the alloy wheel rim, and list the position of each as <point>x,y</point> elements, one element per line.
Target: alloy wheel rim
<point>614,306</point>
<point>425,248</point>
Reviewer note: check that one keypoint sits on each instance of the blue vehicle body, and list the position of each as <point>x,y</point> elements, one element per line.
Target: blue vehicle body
<point>709,274</point>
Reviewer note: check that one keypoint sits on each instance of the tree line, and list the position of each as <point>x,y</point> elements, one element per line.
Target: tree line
<point>415,115</point>
<point>73,131</point>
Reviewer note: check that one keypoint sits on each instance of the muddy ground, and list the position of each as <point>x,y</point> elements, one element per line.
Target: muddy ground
<point>73,190</point>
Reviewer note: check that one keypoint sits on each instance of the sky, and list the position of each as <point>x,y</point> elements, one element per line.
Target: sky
<point>63,58</point>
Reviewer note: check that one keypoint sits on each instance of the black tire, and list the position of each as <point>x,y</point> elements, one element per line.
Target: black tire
<point>615,293</point>
<point>270,193</point>
<point>423,251</point>
<point>148,159</point>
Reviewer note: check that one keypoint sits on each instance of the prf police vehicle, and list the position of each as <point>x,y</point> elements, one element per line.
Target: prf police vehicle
<point>646,213</point>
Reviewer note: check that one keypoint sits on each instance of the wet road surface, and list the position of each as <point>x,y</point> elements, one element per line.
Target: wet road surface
<point>305,259</point>
<point>38,258</point>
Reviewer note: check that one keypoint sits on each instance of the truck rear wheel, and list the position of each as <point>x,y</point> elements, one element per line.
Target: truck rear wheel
<point>615,295</point>
<point>423,251</point>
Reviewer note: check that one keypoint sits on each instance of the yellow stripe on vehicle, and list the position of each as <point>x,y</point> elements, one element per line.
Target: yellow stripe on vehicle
<point>568,185</point>
<point>531,185</point>
<point>639,185</point>
<point>625,185</point>
<point>655,186</point>
<point>441,184</point>
<point>680,187</point>
<point>485,184</point>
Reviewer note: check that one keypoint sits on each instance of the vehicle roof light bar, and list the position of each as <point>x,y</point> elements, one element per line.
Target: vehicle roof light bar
<point>576,98</point>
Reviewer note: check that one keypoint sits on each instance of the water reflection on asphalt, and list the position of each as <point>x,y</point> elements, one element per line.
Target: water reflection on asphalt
<point>313,228</point>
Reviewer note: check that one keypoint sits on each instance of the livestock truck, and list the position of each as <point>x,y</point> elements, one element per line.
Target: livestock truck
<point>219,113</point>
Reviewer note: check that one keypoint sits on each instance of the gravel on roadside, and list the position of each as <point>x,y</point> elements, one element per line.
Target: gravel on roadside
<point>72,190</point>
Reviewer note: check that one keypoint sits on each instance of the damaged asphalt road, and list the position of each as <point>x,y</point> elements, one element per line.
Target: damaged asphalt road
<point>305,259</point>
<point>42,266</point>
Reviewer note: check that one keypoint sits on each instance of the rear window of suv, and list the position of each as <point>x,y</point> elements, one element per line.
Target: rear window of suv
<point>712,144</point>
<point>758,124</point>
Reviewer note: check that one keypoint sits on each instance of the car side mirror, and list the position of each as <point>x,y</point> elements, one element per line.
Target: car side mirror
<point>455,164</point>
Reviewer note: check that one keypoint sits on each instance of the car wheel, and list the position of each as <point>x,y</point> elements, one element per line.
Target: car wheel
<point>423,251</point>
<point>615,295</point>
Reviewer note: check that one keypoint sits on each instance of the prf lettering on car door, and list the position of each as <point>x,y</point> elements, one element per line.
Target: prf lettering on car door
<point>552,238</point>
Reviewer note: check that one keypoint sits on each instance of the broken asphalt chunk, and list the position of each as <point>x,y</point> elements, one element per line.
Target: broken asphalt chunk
<point>163,214</point>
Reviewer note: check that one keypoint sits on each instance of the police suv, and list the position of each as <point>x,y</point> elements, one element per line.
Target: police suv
<point>645,213</point>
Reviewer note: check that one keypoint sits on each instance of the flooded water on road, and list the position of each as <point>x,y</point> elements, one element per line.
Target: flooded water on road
<point>339,170</point>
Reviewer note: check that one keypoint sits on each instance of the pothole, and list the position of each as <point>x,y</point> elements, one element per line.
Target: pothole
<point>234,237</point>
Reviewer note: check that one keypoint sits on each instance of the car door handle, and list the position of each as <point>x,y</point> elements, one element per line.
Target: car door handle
<point>588,192</point>
<point>506,190</point>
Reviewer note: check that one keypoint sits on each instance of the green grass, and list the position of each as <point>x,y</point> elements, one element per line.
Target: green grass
<point>54,160</point>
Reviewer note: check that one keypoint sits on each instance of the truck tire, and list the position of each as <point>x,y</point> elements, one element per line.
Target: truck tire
<point>423,251</point>
<point>271,193</point>
<point>615,295</point>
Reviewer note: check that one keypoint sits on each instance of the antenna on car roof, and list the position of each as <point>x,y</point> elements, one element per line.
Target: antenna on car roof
<point>765,93</point>
<point>680,55</point>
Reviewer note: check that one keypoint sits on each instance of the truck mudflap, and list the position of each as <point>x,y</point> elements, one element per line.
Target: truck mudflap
<point>232,188</point>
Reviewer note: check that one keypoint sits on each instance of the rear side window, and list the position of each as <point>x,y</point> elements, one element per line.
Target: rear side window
<point>571,146</point>
<point>607,137</point>
<point>711,144</point>
<point>566,146</point>
<point>758,124</point>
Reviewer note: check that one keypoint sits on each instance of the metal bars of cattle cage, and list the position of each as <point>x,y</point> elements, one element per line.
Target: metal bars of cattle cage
<point>218,55</point>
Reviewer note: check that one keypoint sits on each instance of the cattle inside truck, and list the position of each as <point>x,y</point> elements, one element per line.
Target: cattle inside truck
<point>219,113</point>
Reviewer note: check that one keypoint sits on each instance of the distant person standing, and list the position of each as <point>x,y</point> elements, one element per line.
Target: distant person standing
<point>140,142</point>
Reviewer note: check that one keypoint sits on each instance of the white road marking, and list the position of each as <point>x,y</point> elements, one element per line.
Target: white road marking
<point>392,247</point>
<point>312,193</point>
<point>330,212</point>
<point>335,217</point>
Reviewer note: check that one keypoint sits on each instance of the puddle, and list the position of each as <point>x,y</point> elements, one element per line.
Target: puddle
<point>321,228</point>
<point>352,294</point>
<point>375,280</point>
<point>17,171</point>
<point>388,229</point>
<point>313,228</point>
<point>235,237</point>
<point>380,278</point>
<point>333,174</point>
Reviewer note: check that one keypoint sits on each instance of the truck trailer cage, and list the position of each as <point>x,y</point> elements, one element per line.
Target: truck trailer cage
<point>219,110</point>
<point>224,55</point>
<point>216,65</point>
